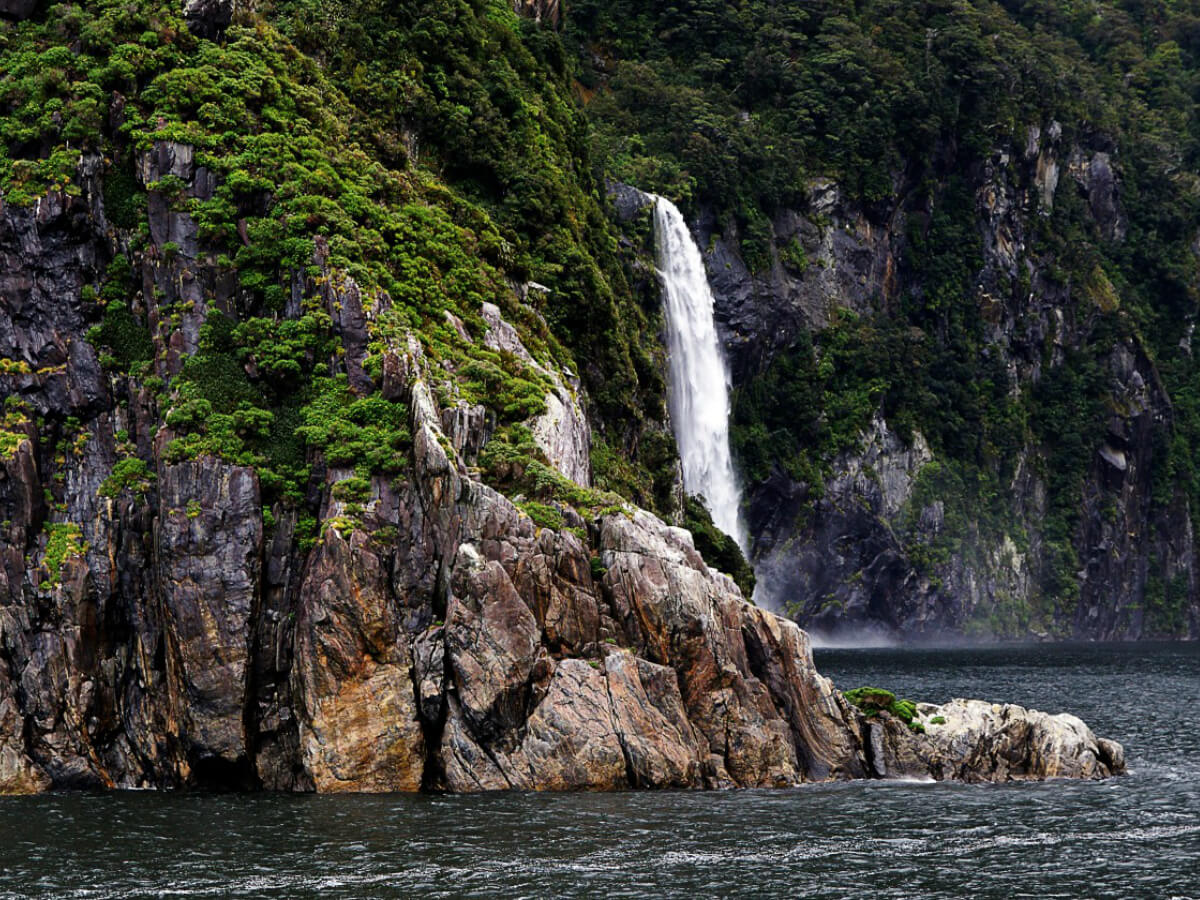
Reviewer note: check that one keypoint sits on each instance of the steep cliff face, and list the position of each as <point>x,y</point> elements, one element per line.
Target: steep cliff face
<point>954,253</point>
<point>434,638</point>
<point>879,538</point>
<point>299,486</point>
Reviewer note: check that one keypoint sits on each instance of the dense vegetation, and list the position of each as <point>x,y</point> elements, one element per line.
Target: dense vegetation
<point>733,108</point>
<point>422,156</point>
<point>425,156</point>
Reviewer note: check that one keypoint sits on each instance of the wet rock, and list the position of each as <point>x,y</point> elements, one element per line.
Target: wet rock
<point>434,636</point>
<point>982,741</point>
<point>628,200</point>
<point>492,644</point>
<point>353,675</point>
<point>18,773</point>
<point>856,554</point>
<point>209,546</point>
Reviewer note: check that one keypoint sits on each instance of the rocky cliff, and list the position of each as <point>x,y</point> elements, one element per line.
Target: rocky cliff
<point>306,480</point>
<point>955,258</point>
<point>886,536</point>
<point>434,638</point>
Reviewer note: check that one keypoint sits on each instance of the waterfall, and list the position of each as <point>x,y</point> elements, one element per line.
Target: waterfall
<point>698,376</point>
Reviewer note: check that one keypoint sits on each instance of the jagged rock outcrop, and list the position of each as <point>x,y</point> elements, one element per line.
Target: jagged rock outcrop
<point>975,741</point>
<point>417,629</point>
<point>462,648</point>
<point>562,431</point>
<point>850,261</point>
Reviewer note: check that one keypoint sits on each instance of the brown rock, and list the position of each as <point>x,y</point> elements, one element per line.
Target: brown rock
<point>359,729</point>
<point>492,644</point>
<point>570,740</point>
<point>659,744</point>
<point>209,546</point>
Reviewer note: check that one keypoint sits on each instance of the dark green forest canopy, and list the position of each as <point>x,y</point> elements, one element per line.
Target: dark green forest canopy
<point>435,150</point>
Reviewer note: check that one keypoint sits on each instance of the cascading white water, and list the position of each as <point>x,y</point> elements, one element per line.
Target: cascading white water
<point>698,377</point>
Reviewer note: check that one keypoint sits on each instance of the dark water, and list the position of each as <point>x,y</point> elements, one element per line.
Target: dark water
<point>1131,837</point>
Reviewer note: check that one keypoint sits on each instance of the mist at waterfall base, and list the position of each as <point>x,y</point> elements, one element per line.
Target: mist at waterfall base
<point>1137,836</point>
<point>698,376</point>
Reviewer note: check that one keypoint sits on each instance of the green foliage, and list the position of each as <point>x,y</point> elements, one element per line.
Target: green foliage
<point>130,474</point>
<point>864,697</point>
<point>9,442</point>
<point>492,99</point>
<point>598,568</point>
<point>514,463</point>
<point>719,549</point>
<point>873,701</point>
<point>365,431</point>
<point>124,203</point>
<point>809,405</point>
<point>543,515</point>
<point>352,490</point>
<point>122,336</point>
<point>64,541</point>
<point>793,256</point>
<point>728,106</point>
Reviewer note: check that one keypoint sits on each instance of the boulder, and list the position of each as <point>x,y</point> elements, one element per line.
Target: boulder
<point>981,741</point>
<point>208,18</point>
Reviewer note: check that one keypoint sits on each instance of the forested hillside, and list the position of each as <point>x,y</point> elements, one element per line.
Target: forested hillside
<point>955,247</point>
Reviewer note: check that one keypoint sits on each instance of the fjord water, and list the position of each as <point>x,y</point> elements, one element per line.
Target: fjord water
<point>698,376</point>
<point>1137,836</point>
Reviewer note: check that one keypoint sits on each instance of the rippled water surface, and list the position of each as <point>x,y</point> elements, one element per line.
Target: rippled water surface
<point>1130,837</point>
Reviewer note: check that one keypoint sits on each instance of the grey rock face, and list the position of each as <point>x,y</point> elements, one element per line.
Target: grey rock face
<point>849,554</point>
<point>627,200</point>
<point>209,543</point>
<point>981,741</point>
<point>851,261</point>
<point>208,18</point>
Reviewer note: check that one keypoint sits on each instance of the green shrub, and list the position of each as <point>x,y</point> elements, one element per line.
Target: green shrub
<point>719,550</point>
<point>543,515</point>
<point>64,541</point>
<point>128,341</point>
<point>128,474</point>
<point>873,701</point>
